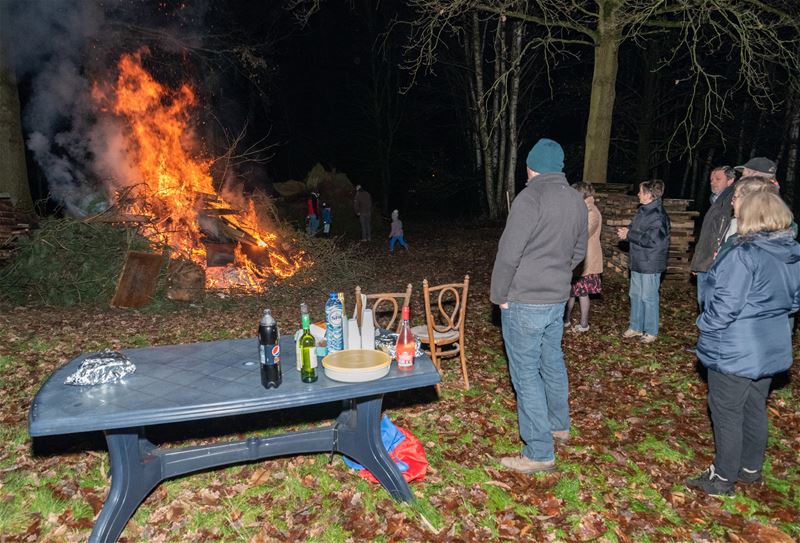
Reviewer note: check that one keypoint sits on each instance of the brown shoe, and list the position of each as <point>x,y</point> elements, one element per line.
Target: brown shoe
<point>647,338</point>
<point>523,464</point>
<point>562,438</point>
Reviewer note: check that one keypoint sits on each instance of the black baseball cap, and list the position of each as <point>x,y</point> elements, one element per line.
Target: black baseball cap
<point>759,164</point>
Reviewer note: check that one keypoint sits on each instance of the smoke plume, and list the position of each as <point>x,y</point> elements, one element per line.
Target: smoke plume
<point>56,49</point>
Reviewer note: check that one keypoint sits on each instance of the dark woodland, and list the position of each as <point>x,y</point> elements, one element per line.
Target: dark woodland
<point>193,138</point>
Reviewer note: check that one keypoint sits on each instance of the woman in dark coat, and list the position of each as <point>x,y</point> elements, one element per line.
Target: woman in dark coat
<point>648,236</point>
<point>745,337</point>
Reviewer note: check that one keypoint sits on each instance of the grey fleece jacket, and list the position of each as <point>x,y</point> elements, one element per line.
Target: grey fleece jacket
<point>544,239</point>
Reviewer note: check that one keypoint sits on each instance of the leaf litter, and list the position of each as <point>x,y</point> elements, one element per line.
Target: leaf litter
<point>609,487</point>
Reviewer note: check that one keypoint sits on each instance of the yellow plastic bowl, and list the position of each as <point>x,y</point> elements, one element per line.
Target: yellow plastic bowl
<point>357,365</point>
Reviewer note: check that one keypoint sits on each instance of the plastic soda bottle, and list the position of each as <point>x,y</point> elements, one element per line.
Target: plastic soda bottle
<point>269,350</point>
<point>334,332</point>
<point>406,345</point>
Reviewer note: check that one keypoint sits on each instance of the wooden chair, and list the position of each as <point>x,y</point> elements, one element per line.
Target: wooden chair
<point>383,305</point>
<point>446,324</point>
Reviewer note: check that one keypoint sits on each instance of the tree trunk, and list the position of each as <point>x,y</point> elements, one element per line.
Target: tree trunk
<point>513,102</point>
<point>789,184</point>
<point>701,180</point>
<point>13,170</point>
<point>744,126</point>
<point>601,103</point>
<point>685,182</point>
<point>647,110</point>
<point>757,134</point>
<point>482,121</point>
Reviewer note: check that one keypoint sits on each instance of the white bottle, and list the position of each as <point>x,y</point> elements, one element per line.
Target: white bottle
<point>367,331</point>
<point>353,334</point>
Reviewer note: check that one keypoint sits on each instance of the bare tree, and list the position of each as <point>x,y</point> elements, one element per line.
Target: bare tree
<point>493,107</point>
<point>752,34</point>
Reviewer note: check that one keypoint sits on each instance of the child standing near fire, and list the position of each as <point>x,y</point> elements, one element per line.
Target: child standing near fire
<point>396,234</point>
<point>326,219</point>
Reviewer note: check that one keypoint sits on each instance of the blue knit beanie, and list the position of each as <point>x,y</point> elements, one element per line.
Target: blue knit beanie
<point>546,156</point>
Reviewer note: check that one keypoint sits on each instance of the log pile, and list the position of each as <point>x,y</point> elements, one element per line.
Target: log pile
<point>13,224</point>
<point>617,208</point>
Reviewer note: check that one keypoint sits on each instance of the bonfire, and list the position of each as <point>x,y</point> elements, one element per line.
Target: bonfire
<point>173,194</point>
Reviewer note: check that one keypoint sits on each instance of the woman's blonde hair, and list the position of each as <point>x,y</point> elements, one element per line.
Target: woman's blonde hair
<point>749,185</point>
<point>762,211</point>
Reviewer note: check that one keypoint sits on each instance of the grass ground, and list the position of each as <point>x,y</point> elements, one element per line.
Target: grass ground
<point>640,426</point>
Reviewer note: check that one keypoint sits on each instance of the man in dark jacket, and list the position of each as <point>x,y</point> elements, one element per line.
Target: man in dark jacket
<point>362,205</point>
<point>544,239</point>
<point>715,224</point>
<point>648,235</point>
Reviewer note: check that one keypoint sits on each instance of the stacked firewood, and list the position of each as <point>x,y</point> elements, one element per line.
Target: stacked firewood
<point>618,208</point>
<point>13,224</point>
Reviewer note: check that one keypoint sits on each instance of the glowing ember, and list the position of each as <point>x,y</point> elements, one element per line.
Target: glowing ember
<point>175,187</point>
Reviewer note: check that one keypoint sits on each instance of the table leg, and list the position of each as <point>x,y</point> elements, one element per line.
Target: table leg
<point>358,435</point>
<point>137,466</point>
<point>132,479</point>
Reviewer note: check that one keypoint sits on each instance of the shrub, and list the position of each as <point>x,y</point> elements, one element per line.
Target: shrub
<point>66,262</point>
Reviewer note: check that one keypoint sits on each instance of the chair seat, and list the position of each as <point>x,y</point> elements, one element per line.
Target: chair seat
<point>421,332</point>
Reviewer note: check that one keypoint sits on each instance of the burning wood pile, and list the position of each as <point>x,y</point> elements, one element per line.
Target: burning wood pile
<point>230,239</point>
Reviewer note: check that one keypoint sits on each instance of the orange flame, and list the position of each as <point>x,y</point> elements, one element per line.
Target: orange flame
<point>175,186</point>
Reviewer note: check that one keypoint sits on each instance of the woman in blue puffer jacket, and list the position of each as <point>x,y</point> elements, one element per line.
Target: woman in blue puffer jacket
<point>745,337</point>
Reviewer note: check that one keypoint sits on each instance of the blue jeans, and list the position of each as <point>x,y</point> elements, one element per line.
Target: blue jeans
<point>313,225</point>
<point>532,335</point>
<point>701,285</point>
<point>397,239</point>
<point>644,302</point>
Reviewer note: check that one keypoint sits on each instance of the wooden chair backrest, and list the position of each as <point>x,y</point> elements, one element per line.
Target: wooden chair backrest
<point>451,306</point>
<point>384,303</point>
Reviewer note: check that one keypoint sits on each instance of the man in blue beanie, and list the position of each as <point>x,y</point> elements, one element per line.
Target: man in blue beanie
<point>544,239</point>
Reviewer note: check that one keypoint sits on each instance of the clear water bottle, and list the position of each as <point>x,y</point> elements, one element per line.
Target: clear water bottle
<point>269,351</point>
<point>334,328</point>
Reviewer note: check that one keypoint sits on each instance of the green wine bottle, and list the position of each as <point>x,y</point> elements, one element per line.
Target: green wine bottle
<point>308,352</point>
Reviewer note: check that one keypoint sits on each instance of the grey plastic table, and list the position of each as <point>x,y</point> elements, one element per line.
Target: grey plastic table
<point>200,381</point>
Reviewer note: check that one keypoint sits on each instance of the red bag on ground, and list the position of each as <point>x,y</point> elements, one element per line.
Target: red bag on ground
<point>404,449</point>
<point>410,452</point>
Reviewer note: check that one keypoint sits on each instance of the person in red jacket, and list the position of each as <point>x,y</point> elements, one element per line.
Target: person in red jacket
<point>312,213</point>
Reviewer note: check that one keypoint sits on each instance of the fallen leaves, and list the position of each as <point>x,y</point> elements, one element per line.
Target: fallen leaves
<point>755,532</point>
<point>619,396</point>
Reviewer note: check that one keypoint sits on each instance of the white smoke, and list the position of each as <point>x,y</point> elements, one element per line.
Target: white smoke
<point>45,40</point>
<point>60,46</point>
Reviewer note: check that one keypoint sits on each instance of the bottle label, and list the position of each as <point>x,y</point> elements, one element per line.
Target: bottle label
<point>334,329</point>
<point>405,360</point>
<point>312,357</point>
<point>270,354</point>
